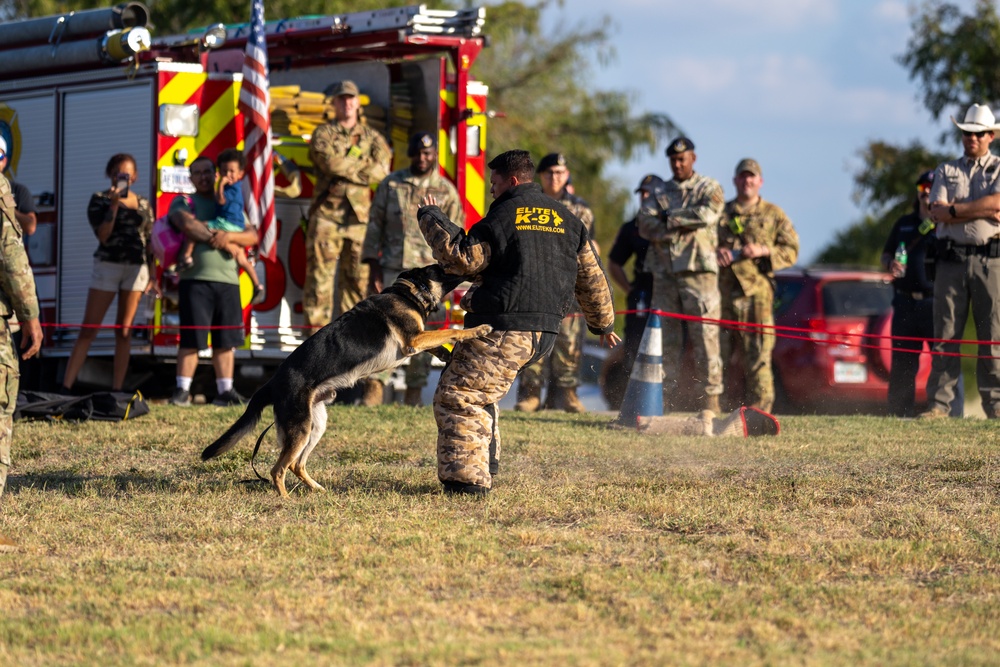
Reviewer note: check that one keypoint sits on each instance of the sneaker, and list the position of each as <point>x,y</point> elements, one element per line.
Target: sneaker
<point>181,397</point>
<point>259,294</point>
<point>7,545</point>
<point>229,398</point>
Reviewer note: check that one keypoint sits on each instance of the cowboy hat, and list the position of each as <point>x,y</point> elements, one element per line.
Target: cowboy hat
<point>978,118</point>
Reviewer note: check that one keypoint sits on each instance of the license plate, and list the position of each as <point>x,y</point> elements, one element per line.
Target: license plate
<point>846,372</point>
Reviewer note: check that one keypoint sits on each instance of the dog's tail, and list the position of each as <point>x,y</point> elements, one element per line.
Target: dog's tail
<point>243,426</point>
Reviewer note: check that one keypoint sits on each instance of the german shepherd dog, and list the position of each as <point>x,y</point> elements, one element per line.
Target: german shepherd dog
<point>377,334</point>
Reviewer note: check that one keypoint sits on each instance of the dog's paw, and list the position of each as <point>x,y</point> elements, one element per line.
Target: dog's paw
<point>483,330</point>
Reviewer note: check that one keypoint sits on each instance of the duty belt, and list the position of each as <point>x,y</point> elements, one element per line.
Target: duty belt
<point>950,251</point>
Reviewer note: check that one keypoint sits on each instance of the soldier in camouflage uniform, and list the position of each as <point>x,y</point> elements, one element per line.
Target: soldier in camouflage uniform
<point>562,367</point>
<point>394,243</point>
<point>350,158</point>
<point>529,257</point>
<point>680,221</point>
<point>17,297</point>
<point>756,239</point>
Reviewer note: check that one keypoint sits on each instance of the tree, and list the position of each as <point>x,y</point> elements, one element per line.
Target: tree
<point>953,58</point>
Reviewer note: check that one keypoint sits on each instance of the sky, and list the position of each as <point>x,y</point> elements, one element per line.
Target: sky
<point>800,85</point>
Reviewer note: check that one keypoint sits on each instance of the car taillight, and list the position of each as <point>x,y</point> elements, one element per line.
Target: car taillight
<point>840,337</point>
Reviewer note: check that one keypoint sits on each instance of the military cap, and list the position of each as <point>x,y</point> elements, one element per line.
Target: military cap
<point>345,87</point>
<point>679,145</point>
<point>649,183</point>
<point>418,142</point>
<point>926,178</point>
<point>549,161</point>
<point>748,164</point>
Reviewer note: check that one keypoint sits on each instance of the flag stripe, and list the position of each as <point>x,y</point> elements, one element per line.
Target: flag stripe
<point>255,101</point>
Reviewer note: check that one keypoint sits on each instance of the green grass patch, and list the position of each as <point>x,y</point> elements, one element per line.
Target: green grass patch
<point>845,540</point>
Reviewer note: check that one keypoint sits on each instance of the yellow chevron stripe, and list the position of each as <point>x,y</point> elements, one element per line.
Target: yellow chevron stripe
<point>474,189</point>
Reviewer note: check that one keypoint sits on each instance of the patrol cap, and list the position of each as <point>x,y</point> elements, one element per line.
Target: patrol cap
<point>748,164</point>
<point>345,87</point>
<point>3,146</point>
<point>418,142</point>
<point>549,161</point>
<point>679,145</point>
<point>650,182</point>
<point>926,178</point>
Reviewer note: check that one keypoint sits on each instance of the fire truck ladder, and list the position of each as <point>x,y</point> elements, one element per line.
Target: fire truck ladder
<point>412,20</point>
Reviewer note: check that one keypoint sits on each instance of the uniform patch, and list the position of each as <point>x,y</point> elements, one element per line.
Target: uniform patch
<point>538,219</point>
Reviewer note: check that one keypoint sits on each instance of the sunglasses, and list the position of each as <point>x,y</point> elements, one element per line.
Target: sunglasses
<point>979,135</point>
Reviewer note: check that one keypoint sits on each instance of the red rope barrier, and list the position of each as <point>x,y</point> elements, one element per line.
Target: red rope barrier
<point>792,333</point>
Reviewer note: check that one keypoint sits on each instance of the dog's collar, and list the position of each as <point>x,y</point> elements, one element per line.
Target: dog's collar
<point>418,296</point>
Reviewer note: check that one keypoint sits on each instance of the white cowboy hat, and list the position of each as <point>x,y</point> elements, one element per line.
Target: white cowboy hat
<point>978,118</point>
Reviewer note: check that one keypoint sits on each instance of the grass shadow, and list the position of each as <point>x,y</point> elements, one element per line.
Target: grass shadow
<point>74,484</point>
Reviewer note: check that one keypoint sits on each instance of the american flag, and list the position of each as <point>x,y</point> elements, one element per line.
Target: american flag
<point>255,103</point>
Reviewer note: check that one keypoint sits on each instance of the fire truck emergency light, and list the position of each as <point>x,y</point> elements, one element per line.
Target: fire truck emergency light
<point>179,120</point>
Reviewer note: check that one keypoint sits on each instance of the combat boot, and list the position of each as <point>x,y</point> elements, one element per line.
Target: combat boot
<point>712,403</point>
<point>373,393</point>
<point>569,401</point>
<point>412,397</point>
<point>528,399</point>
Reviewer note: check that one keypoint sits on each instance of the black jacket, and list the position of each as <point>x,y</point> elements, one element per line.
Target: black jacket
<point>524,253</point>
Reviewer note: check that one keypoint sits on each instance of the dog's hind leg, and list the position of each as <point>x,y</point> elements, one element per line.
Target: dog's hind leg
<point>298,466</point>
<point>293,437</point>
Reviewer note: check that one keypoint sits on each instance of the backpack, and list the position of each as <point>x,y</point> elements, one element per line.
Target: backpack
<point>102,406</point>
<point>165,241</point>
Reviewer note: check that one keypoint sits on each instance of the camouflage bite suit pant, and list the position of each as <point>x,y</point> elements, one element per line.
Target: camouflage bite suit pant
<point>9,378</point>
<point>755,345</point>
<point>563,364</point>
<point>697,295</point>
<point>333,250</point>
<point>480,372</point>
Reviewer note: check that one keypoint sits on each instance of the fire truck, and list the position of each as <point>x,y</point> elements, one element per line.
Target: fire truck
<point>79,88</point>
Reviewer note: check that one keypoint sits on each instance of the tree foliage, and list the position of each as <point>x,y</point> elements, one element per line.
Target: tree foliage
<point>952,56</point>
<point>885,189</point>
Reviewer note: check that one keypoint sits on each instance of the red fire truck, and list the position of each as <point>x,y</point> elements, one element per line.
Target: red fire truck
<point>75,91</point>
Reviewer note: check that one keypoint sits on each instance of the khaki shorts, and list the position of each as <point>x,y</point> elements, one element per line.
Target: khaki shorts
<point>115,277</point>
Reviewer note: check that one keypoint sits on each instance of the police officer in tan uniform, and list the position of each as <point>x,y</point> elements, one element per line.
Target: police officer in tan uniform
<point>529,257</point>
<point>562,367</point>
<point>681,223</point>
<point>394,243</point>
<point>964,203</point>
<point>351,158</point>
<point>17,297</point>
<point>756,239</point>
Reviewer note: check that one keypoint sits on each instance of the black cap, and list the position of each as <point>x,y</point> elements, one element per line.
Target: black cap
<point>418,142</point>
<point>926,178</point>
<point>679,145</point>
<point>650,182</point>
<point>549,161</point>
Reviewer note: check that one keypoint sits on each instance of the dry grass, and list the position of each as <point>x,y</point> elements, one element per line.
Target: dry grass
<point>842,541</point>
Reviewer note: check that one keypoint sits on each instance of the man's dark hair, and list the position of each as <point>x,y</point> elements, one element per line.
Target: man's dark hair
<point>232,155</point>
<point>514,163</point>
<point>202,158</point>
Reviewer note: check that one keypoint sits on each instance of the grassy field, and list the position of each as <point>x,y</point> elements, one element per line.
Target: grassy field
<point>856,540</point>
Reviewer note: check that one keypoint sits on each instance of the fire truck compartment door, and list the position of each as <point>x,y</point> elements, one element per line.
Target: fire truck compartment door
<point>100,121</point>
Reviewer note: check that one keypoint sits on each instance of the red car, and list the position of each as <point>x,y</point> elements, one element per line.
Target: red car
<point>829,367</point>
<point>823,365</point>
